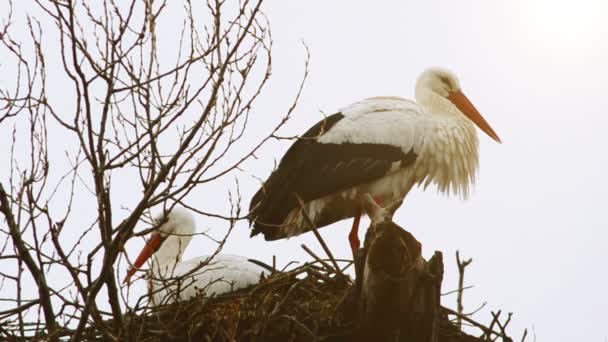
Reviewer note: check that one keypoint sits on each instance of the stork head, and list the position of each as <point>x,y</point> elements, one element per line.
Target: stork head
<point>437,80</point>
<point>437,86</point>
<point>169,241</point>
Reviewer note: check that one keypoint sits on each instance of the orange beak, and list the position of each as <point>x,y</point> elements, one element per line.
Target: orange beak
<point>466,107</point>
<point>150,248</point>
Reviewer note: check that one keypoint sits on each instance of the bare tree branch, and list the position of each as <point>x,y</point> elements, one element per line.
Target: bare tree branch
<point>163,116</point>
<point>461,268</point>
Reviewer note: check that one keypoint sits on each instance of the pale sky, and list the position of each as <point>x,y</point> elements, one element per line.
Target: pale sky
<point>535,224</point>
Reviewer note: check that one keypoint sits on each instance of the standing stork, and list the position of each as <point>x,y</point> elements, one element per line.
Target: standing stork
<point>174,280</point>
<point>382,146</point>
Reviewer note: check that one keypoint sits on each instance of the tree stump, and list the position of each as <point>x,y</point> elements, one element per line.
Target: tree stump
<point>398,292</point>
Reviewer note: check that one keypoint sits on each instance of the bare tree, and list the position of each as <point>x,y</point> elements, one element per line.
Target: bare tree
<point>129,117</point>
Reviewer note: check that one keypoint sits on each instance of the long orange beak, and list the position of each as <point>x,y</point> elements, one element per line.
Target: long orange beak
<point>150,248</point>
<point>467,108</point>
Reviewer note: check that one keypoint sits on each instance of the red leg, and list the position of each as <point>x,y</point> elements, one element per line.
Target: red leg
<point>353,236</point>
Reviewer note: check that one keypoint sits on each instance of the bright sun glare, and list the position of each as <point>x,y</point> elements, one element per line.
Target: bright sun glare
<point>570,22</point>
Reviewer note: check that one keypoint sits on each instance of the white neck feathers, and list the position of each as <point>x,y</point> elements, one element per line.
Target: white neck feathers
<point>449,158</point>
<point>178,230</point>
<point>436,104</point>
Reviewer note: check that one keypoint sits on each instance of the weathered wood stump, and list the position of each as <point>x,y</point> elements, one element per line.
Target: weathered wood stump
<point>398,292</point>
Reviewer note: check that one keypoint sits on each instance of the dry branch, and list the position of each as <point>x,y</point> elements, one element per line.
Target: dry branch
<point>318,236</point>
<point>163,116</point>
<point>158,130</point>
<point>306,303</point>
<point>462,265</point>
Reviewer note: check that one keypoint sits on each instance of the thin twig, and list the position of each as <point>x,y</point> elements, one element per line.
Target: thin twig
<point>318,236</point>
<point>461,268</point>
<point>316,257</point>
<point>471,321</point>
<point>302,326</point>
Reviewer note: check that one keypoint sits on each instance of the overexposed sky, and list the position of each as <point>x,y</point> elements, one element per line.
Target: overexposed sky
<point>536,224</point>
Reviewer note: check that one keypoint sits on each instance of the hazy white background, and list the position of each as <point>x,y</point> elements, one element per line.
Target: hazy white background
<point>536,223</point>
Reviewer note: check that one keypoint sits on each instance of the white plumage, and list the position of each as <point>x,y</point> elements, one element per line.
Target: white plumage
<point>446,148</point>
<point>436,142</point>
<point>445,142</point>
<point>223,274</point>
<point>172,279</point>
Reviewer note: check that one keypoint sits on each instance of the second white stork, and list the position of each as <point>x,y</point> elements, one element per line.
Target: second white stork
<point>382,146</point>
<point>173,280</point>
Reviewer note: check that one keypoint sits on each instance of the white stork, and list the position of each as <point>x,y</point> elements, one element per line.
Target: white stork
<point>174,280</point>
<point>382,146</point>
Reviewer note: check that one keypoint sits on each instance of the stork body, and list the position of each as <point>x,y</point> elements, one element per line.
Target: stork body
<point>173,280</point>
<point>381,146</point>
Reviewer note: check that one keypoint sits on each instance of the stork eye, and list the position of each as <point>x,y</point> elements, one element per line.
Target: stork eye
<point>446,81</point>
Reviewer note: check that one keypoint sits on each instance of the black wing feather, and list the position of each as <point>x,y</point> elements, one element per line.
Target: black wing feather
<point>313,170</point>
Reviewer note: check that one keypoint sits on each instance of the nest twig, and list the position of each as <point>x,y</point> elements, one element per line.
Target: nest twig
<point>308,303</point>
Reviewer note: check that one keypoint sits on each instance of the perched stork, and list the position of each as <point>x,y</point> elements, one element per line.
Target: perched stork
<point>174,280</point>
<point>382,146</point>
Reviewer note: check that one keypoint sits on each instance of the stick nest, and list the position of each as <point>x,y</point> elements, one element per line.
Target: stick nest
<point>305,304</point>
